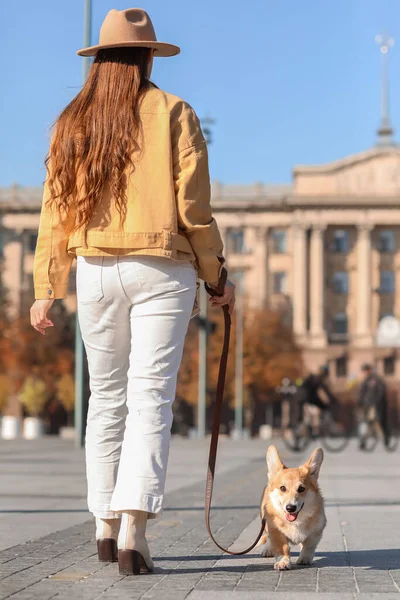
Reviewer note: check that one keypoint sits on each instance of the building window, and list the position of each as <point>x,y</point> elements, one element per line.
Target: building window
<point>387,241</point>
<point>387,282</point>
<point>340,323</point>
<point>388,365</point>
<point>341,241</point>
<point>279,282</point>
<point>32,242</point>
<point>341,366</point>
<point>279,241</point>
<point>340,282</point>
<point>236,241</point>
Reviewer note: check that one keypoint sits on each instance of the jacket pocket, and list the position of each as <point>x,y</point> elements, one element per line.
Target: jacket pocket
<point>89,279</point>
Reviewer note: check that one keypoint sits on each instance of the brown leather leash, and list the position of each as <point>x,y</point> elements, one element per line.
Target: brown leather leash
<point>219,291</point>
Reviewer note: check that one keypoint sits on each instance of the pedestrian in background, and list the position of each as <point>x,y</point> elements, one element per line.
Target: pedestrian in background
<point>128,194</point>
<point>372,401</point>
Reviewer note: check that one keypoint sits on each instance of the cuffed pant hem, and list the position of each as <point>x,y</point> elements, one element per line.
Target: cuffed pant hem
<point>150,504</point>
<point>104,514</point>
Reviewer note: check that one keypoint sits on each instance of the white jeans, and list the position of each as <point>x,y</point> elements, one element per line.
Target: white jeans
<point>133,313</point>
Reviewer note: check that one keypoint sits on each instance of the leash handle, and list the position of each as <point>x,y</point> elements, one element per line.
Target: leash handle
<point>219,291</point>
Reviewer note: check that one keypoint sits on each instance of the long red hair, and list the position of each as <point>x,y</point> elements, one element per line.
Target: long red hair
<point>97,135</point>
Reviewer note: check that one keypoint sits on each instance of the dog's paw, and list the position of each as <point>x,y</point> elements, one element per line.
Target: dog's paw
<point>265,551</point>
<point>283,564</point>
<point>305,560</point>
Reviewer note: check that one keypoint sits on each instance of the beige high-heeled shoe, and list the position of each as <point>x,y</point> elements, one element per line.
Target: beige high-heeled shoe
<point>133,552</point>
<point>107,531</point>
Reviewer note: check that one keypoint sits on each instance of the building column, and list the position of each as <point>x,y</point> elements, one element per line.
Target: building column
<point>261,257</point>
<point>363,336</point>
<point>318,337</point>
<point>299,283</point>
<point>224,236</point>
<point>12,274</point>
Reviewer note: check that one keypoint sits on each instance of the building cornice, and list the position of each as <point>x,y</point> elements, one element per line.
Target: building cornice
<point>293,202</point>
<point>349,161</point>
<point>342,201</point>
<point>16,198</point>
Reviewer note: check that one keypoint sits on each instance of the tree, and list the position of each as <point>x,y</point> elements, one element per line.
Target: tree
<point>270,353</point>
<point>187,386</point>
<point>34,395</point>
<point>66,394</point>
<point>4,391</point>
<point>24,352</point>
<point>4,300</point>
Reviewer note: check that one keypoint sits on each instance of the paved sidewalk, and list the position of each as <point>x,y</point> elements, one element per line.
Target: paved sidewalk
<point>43,486</point>
<point>358,557</point>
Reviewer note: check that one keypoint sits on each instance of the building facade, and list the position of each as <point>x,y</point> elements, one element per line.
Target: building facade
<point>19,223</point>
<point>326,249</point>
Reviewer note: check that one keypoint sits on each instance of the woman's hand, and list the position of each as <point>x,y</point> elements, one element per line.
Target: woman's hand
<point>227,298</point>
<point>39,320</point>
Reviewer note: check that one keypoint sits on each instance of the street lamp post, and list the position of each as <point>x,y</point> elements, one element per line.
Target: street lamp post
<point>239,361</point>
<point>385,131</point>
<point>87,36</point>
<point>80,365</point>
<point>207,123</point>
<point>202,391</point>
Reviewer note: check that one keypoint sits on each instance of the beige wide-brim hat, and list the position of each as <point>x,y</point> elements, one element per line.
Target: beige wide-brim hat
<point>131,28</point>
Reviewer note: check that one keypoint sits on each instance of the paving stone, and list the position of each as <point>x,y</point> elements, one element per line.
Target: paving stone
<point>358,557</point>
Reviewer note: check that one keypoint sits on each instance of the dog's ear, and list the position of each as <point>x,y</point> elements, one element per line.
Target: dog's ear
<point>274,462</point>
<point>314,463</point>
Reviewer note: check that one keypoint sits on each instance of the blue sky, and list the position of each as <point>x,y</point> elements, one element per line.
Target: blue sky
<point>287,82</point>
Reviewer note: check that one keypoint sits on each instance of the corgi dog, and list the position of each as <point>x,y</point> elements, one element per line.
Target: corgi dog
<point>293,507</point>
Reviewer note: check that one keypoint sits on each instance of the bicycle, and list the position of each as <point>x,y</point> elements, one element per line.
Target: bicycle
<point>370,431</point>
<point>334,437</point>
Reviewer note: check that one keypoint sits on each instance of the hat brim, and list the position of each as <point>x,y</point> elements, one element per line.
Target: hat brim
<point>160,48</point>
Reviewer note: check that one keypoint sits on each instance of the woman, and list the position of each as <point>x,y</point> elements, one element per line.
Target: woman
<point>127,193</point>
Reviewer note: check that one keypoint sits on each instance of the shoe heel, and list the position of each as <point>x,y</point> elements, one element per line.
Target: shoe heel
<point>129,562</point>
<point>107,550</point>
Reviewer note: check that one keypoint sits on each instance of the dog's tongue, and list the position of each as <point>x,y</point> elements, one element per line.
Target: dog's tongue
<point>291,517</point>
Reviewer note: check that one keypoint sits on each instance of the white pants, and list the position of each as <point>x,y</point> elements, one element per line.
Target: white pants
<point>133,313</point>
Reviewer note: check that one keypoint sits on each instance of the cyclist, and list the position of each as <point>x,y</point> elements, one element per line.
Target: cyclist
<point>308,391</point>
<point>372,400</point>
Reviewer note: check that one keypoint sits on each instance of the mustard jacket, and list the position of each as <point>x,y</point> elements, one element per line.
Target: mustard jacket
<point>168,208</point>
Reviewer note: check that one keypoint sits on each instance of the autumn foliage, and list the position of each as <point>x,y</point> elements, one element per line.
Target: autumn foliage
<point>269,354</point>
<point>26,357</point>
<point>66,391</point>
<point>34,395</point>
<point>4,391</point>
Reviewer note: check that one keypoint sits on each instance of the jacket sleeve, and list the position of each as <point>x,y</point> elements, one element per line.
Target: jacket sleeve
<point>52,263</point>
<point>193,194</point>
